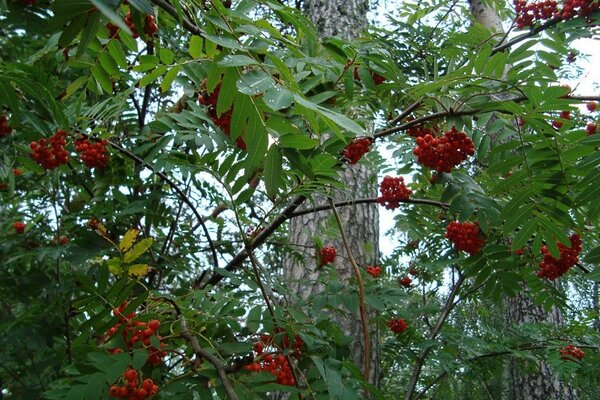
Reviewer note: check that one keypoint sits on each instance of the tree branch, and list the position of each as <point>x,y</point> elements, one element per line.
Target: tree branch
<point>432,335</point>
<point>179,192</point>
<point>187,24</point>
<point>361,293</point>
<point>200,352</point>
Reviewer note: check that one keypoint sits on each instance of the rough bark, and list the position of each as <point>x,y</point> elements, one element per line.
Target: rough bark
<point>345,19</point>
<point>539,383</point>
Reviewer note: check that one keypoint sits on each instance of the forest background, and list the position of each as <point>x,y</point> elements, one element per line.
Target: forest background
<point>191,189</point>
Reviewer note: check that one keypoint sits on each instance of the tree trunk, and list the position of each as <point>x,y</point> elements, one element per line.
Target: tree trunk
<point>540,383</point>
<point>342,18</point>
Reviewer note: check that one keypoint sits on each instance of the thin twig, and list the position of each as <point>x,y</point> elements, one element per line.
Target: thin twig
<point>200,352</point>
<point>187,24</point>
<point>324,207</point>
<point>179,192</point>
<point>361,292</point>
<point>432,335</point>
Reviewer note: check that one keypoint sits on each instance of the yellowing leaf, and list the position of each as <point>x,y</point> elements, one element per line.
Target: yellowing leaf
<point>138,269</point>
<point>114,266</point>
<point>137,250</point>
<point>128,239</point>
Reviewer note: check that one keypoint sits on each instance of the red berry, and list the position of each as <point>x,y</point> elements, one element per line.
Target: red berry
<point>571,353</point>
<point>406,281</point>
<point>374,271</point>
<point>590,129</point>
<point>19,227</point>
<point>357,147</point>
<point>397,325</point>
<point>154,324</point>
<point>591,106</point>
<point>327,255</point>
<point>393,191</point>
<point>466,236</point>
<point>553,268</point>
<point>130,374</point>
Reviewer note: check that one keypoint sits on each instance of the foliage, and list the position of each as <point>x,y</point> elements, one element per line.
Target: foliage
<point>216,129</point>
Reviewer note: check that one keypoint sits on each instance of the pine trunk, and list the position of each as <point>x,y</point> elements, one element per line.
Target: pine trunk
<point>342,18</point>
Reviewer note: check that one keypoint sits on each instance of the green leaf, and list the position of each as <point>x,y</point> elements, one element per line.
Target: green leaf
<point>75,85</point>
<point>255,82</point>
<point>102,78</point>
<point>195,48</point>
<point>116,52</point>
<point>297,141</point>
<point>153,76</point>
<point>166,56</point>
<point>277,98</point>
<point>137,250</point>
<point>235,348</point>
<point>169,77</point>
<point>253,319</point>
<point>341,120</point>
<point>108,63</point>
<point>273,171</point>
<point>238,60</point>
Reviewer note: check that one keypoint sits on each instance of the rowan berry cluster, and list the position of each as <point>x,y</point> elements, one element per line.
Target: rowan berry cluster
<point>357,148</point>
<point>374,270</point>
<point>393,191</point>
<point>445,152</point>
<point>224,121</point>
<point>563,115</point>
<point>327,254</point>
<point>150,27</point>
<point>466,236</point>
<point>133,389</point>
<point>5,129</point>
<point>591,106</point>
<point>551,267</point>
<point>419,130</point>
<point>50,153</point>
<point>527,13</point>
<point>276,364</point>
<point>19,227</point>
<point>405,281</point>
<point>397,325</point>
<point>591,128</point>
<point>570,353</point>
<point>138,332</point>
<point>93,154</point>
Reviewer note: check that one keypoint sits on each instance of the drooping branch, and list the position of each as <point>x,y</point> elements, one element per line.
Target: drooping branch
<point>201,353</point>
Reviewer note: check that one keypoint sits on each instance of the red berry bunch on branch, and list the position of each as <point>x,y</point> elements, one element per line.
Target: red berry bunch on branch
<point>377,79</point>
<point>443,153</point>
<point>357,148</point>
<point>563,115</point>
<point>327,254</point>
<point>133,388</point>
<point>528,12</point>
<point>93,154</point>
<point>275,362</point>
<point>393,192</point>
<point>223,121</point>
<point>591,106</point>
<point>138,333</point>
<point>50,153</point>
<point>397,325</point>
<point>551,267</point>
<point>466,236</point>
<point>150,27</point>
<point>571,353</point>
<point>405,281</point>
<point>591,128</point>
<point>374,271</point>
<point>19,227</point>
<point>5,129</point>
